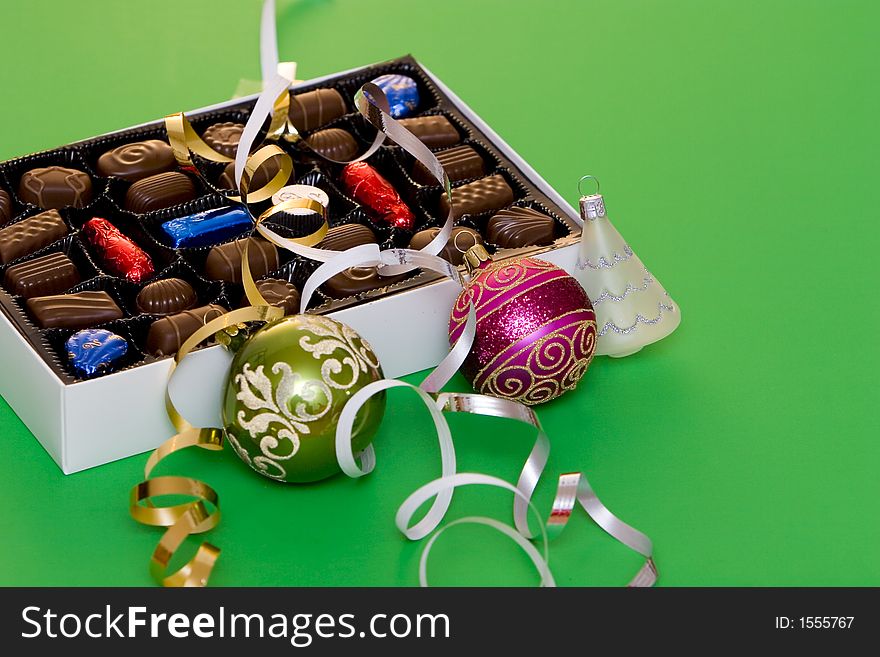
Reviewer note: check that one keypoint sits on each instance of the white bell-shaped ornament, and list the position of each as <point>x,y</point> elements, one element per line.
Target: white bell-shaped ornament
<point>632,308</point>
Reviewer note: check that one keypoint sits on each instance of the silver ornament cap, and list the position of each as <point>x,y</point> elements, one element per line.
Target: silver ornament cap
<point>592,205</point>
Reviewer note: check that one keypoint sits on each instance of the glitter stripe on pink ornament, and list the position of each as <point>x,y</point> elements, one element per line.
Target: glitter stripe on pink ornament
<point>536,329</point>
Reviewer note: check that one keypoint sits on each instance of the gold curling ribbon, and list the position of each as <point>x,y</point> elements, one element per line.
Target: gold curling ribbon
<point>185,141</point>
<point>194,517</point>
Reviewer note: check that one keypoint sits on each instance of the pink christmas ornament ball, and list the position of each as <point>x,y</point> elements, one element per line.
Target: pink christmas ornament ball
<point>536,328</point>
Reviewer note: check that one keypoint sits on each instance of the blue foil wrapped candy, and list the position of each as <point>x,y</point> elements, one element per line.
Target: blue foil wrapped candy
<point>94,350</point>
<point>402,93</point>
<point>207,228</point>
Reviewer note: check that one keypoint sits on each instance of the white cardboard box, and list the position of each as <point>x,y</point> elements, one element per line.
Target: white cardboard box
<point>88,423</point>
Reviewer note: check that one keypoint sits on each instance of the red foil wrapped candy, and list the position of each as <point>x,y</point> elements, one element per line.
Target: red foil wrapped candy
<point>119,255</point>
<point>367,186</point>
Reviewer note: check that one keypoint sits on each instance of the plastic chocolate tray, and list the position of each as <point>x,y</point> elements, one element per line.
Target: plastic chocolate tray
<point>188,263</point>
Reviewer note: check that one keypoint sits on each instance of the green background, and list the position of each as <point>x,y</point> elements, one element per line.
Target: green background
<point>737,145</point>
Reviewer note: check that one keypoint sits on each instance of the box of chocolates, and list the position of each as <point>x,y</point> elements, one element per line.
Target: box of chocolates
<point>111,256</point>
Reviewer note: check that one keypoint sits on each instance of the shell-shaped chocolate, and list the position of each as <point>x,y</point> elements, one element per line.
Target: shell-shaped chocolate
<point>224,137</point>
<point>346,236</point>
<point>461,239</point>
<point>166,296</point>
<point>159,191</point>
<point>5,208</point>
<point>357,280</point>
<point>490,193</point>
<point>517,227</point>
<point>55,187</point>
<point>277,292</point>
<point>313,109</point>
<point>137,160</point>
<point>334,143</point>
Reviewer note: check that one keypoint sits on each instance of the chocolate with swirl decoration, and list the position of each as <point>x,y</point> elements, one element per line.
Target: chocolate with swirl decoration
<point>536,329</point>
<point>137,160</point>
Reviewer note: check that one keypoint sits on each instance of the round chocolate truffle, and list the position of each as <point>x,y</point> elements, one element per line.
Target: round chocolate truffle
<point>166,296</point>
<point>277,293</point>
<point>459,242</point>
<point>334,143</point>
<point>137,160</point>
<point>224,137</point>
<point>55,187</point>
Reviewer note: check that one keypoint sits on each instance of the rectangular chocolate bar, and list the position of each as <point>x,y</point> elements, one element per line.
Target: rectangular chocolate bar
<point>459,163</point>
<point>74,311</point>
<point>30,235</point>
<point>50,274</point>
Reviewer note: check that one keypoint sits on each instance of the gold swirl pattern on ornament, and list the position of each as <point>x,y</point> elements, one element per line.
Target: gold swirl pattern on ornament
<point>551,366</point>
<point>484,291</point>
<point>459,321</point>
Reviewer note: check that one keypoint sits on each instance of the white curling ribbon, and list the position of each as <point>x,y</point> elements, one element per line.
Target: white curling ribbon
<point>446,485</point>
<point>348,460</point>
<point>572,488</point>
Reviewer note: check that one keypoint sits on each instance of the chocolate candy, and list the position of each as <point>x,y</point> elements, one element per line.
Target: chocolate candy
<point>137,160</point>
<point>459,163</point>
<point>370,189</point>
<point>459,242</point>
<point>55,187</point>
<point>340,238</point>
<point>31,234</point>
<point>119,255</point>
<point>516,227</point>
<point>434,131</point>
<point>208,227</point>
<point>224,261</point>
<point>482,195</point>
<point>166,296</point>
<point>334,143</point>
<point>224,137</point>
<point>39,277</point>
<point>74,311</point>
<point>402,93</point>
<point>357,280</point>
<point>277,293</point>
<point>264,173</point>
<point>167,334</point>
<point>5,208</point>
<point>159,191</point>
<point>313,109</point>
<point>93,351</point>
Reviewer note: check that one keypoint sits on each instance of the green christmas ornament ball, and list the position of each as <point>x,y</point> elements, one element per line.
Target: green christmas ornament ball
<point>286,389</point>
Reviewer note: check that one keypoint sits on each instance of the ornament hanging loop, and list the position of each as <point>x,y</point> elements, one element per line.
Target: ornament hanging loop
<point>592,205</point>
<point>581,182</point>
